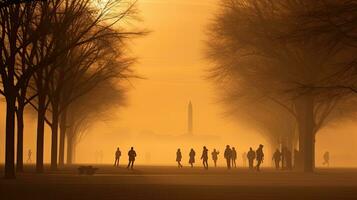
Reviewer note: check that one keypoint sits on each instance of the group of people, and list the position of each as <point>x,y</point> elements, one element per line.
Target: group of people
<point>284,157</point>
<point>131,155</point>
<point>230,154</point>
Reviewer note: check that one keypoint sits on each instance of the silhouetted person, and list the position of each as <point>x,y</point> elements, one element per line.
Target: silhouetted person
<point>289,160</point>
<point>204,157</point>
<point>286,160</point>
<point>260,156</point>
<point>179,158</point>
<point>132,155</point>
<point>244,159</point>
<point>117,157</point>
<point>277,158</point>
<point>326,159</point>
<point>29,154</point>
<point>228,156</point>
<point>215,157</point>
<point>192,157</point>
<point>234,157</point>
<point>283,157</point>
<point>251,158</point>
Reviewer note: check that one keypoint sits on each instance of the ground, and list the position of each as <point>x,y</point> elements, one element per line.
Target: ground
<point>171,183</point>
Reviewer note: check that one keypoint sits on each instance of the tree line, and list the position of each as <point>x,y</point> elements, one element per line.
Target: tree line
<point>286,67</point>
<point>67,61</point>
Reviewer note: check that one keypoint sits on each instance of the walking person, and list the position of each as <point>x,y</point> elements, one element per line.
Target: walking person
<point>132,155</point>
<point>117,157</point>
<point>192,157</point>
<point>179,158</point>
<point>228,156</point>
<point>215,157</point>
<point>204,157</point>
<point>326,159</point>
<point>260,157</point>
<point>277,158</point>
<point>284,149</point>
<point>251,157</point>
<point>234,157</point>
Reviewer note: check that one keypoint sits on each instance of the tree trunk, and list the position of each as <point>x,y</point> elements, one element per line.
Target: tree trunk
<point>40,132</point>
<point>20,138</point>
<point>63,128</point>
<point>10,137</point>
<point>306,133</point>
<point>54,138</point>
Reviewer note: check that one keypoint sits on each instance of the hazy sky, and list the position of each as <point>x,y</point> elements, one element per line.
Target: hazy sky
<point>171,58</point>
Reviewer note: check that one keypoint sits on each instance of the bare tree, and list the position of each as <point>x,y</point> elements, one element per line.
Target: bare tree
<point>30,52</point>
<point>80,35</point>
<point>271,120</point>
<point>17,36</point>
<point>249,48</point>
<point>336,22</point>
<point>98,105</point>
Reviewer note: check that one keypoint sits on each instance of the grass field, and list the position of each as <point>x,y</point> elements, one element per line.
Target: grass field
<point>155,182</point>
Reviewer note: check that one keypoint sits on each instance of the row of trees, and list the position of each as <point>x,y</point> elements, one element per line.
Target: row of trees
<point>67,60</point>
<point>279,63</point>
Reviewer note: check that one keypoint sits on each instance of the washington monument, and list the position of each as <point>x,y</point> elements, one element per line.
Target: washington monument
<point>189,118</point>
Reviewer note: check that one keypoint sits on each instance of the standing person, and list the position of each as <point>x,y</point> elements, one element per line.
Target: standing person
<point>204,157</point>
<point>228,156</point>
<point>132,155</point>
<point>192,157</point>
<point>288,159</point>
<point>244,159</point>
<point>179,158</point>
<point>215,157</point>
<point>260,156</point>
<point>29,154</point>
<point>277,158</point>
<point>117,157</point>
<point>283,157</point>
<point>251,157</point>
<point>326,159</point>
<point>234,157</point>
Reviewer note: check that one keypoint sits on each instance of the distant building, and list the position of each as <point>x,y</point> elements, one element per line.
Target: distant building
<point>190,119</point>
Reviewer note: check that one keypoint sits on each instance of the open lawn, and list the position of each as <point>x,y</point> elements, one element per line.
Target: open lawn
<point>155,182</point>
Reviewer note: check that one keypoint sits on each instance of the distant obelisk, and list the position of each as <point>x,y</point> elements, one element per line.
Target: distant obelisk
<point>190,120</point>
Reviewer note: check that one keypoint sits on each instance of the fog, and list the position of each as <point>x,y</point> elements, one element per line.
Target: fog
<point>155,118</point>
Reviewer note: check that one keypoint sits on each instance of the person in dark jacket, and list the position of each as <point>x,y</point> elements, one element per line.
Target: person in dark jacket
<point>179,158</point>
<point>251,158</point>
<point>277,158</point>
<point>192,157</point>
<point>234,157</point>
<point>215,157</point>
<point>228,156</point>
<point>132,155</point>
<point>260,156</point>
<point>117,157</point>
<point>204,157</point>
